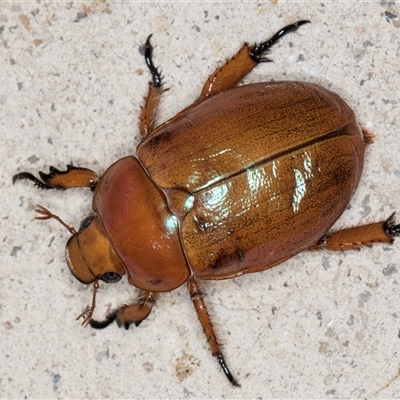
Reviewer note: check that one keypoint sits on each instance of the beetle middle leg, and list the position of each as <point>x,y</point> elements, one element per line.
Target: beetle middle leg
<point>129,314</point>
<point>235,69</point>
<point>202,313</point>
<point>359,236</point>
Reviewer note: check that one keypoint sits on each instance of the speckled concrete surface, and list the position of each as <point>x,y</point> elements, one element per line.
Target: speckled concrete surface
<point>71,84</point>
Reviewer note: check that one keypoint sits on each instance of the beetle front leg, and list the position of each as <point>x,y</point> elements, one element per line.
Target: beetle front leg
<point>148,114</point>
<point>235,69</point>
<point>359,236</point>
<point>72,177</point>
<point>129,314</point>
<point>197,298</point>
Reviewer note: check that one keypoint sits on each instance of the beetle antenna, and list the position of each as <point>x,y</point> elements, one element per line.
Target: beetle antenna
<point>88,313</point>
<point>44,213</point>
<point>257,50</point>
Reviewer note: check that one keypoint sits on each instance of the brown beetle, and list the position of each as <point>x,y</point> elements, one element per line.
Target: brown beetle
<point>238,182</point>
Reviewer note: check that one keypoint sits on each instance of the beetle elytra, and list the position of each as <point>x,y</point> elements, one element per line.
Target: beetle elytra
<point>238,182</point>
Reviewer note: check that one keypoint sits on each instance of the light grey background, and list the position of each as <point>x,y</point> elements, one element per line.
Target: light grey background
<point>72,81</point>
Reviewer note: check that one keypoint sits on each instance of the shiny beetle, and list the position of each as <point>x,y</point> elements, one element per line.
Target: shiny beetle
<point>238,182</point>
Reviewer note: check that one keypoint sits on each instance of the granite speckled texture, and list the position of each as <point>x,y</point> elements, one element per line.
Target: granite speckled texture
<point>72,80</point>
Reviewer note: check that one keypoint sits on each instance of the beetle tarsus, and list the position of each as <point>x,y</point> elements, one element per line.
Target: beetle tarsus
<point>29,176</point>
<point>227,373</point>
<point>148,54</point>
<point>110,318</point>
<point>391,228</point>
<point>257,50</point>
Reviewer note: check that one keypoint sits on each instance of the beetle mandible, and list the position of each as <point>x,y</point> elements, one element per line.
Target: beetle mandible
<point>241,180</point>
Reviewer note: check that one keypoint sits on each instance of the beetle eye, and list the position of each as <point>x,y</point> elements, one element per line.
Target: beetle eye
<point>85,223</point>
<point>110,277</point>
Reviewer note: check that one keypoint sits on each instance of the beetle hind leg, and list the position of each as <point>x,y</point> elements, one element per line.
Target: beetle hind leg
<point>359,236</point>
<point>129,314</point>
<point>235,69</point>
<point>204,318</point>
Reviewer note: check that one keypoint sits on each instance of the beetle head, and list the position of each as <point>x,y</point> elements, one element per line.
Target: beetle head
<point>90,256</point>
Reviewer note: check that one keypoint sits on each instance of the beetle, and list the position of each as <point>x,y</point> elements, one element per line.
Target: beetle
<point>238,182</point>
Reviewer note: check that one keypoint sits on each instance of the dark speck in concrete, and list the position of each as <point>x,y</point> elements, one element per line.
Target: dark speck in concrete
<point>390,15</point>
<point>367,43</point>
<point>325,263</point>
<point>80,16</point>
<point>363,298</point>
<point>56,380</point>
<point>389,270</point>
<point>15,250</point>
<point>33,159</point>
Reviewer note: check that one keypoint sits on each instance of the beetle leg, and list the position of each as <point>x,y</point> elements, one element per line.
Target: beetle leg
<point>129,314</point>
<point>148,114</point>
<point>56,179</point>
<point>197,298</point>
<point>235,69</point>
<point>360,236</point>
